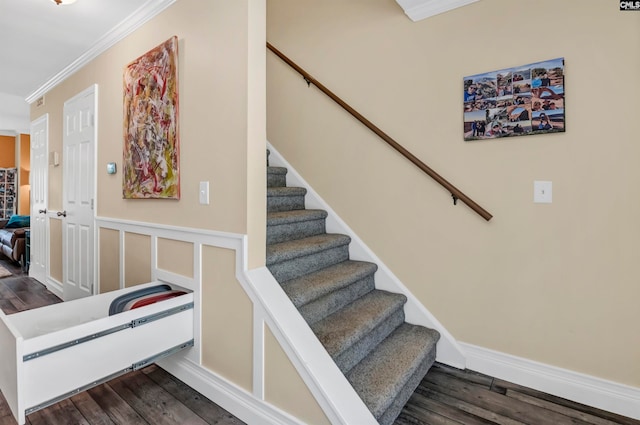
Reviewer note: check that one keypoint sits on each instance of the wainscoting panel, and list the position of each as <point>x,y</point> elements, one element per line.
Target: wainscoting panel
<point>271,307</point>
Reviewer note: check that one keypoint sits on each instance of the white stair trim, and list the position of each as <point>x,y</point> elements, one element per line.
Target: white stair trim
<point>271,307</point>
<point>335,395</point>
<point>448,351</point>
<point>592,391</point>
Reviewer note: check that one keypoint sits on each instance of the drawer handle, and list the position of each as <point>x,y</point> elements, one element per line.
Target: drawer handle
<point>44,211</point>
<point>61,213</point>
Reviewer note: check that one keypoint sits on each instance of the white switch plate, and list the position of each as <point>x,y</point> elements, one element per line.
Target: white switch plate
<point>542,192</point>
<point>203,193</point>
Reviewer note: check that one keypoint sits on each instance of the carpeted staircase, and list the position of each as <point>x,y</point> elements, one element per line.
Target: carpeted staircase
<point>362,328</point>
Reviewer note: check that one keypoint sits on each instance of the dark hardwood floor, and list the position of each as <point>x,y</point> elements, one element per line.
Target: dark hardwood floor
<point>451,396</point>
<point>446,396</point>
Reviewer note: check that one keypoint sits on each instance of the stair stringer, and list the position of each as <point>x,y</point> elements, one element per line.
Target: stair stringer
<point>448,350</point>
<point>331,389</point>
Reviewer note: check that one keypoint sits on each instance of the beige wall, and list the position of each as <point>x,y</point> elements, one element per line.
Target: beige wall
<point>137,263</point>
<point>553,283</point>
<point>222,131</point>
<point>227,320</point>
<point>109,260</point>
<point>214,119</point>
<point>175,256</point>
<point>256,134</point>
<point>284,387</point>
<point>213,127</point>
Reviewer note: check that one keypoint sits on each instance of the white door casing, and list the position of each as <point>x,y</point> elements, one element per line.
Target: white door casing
<point>39,183</point>
<point>78,193</point>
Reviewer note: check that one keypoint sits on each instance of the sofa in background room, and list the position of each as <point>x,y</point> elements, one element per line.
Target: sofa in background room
<point>12,236</point>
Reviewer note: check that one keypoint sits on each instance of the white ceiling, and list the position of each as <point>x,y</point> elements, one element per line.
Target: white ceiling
<point>41,38</point>
<point>43,43</point>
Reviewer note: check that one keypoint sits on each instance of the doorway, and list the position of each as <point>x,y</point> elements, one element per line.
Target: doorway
<point>39,182</point>
<point>78,193</point>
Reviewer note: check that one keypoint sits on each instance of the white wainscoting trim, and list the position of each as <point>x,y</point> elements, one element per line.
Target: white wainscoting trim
<point>448,351</point>
<point>271,307</point>
<point>229,396</point>
<point>592,391</point>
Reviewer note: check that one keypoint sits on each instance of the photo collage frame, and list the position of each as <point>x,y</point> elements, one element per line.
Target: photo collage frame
<point>519,101</point>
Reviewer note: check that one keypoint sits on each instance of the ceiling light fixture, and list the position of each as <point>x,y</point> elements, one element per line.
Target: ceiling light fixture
<point>63,2</point>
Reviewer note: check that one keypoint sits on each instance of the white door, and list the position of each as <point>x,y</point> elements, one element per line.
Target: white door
<point>78,193</point>
<point>39,183</point>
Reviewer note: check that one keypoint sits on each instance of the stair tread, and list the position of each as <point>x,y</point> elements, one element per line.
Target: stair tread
<point>294,216</point>
<point>362,329</point>
<point>345,327</point>
<point>310,287</point>
<point>286,191</point>
<point>380,376</point>
<point>288,250</point>
<point>276,170</point>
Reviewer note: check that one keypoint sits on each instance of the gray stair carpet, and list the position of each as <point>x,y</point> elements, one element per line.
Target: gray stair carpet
<point>363,329</point>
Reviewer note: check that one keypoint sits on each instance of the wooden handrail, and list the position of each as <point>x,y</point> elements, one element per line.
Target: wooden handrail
<point>455,192</point>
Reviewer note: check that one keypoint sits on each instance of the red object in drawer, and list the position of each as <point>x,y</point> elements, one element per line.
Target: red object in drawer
<point>152,298</point>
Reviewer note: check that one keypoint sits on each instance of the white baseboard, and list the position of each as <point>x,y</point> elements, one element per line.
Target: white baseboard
<point>230,397</point>
<point>596,392</point>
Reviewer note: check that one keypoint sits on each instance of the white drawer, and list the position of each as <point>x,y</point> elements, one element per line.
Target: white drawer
<point>53,352</point>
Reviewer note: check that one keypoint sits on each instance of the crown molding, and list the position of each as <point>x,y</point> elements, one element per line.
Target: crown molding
<point>134,21</point>
<point>417,10</point>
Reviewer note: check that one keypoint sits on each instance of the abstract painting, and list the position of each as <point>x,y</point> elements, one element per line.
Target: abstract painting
<point>517,101</point>
<point>151,154</point>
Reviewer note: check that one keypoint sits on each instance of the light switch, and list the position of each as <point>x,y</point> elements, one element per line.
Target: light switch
<point>204,193</point>
<point>542,192</point>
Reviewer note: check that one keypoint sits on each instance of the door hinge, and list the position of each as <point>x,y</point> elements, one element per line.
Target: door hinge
<point>92,203</point>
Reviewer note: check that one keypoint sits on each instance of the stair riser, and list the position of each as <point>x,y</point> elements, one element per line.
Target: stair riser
<point>392,412</point>
<point>276,180</point>
<point>284,203</point>
<point>363,338</point>
<point>364,345</point>
<point>293,231</point>
<point>334,301</point>
<point>290,269</point>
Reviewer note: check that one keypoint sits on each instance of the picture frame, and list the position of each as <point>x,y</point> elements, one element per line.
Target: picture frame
<point>518,101</point>
<point>151,153</point>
